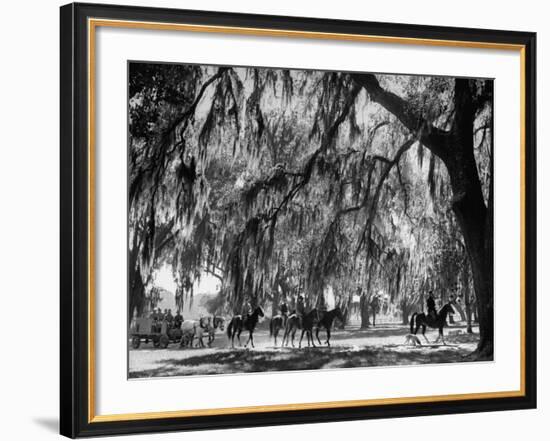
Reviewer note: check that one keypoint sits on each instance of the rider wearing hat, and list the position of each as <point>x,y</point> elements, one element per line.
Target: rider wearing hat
<point>430,303</point>
<point>247,310</point>
<point>284,311</point>
<point>300,308</point>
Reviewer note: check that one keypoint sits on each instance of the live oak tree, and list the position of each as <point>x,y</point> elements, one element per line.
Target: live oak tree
<point>454,146</point>
<point>280,182</point>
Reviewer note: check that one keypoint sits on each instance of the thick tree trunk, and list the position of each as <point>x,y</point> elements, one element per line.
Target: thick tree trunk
<point>455,148</point>
<point>364,311</point>
<point>467,304</point>
<point>474,218</point>
<point>405,311</point>
<point>472,224</point>
<point>137,292</point>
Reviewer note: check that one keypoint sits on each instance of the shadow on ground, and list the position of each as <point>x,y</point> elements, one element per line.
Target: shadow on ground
<point>283,359</point>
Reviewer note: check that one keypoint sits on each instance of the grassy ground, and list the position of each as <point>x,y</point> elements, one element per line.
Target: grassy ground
<point>382,346</point>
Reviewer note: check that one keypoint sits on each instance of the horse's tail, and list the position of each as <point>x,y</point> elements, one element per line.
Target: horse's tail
<point>230,328</point>
<point>412,322</point>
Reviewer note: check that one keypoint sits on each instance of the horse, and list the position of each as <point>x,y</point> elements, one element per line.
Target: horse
<point>193,329</point>
<point>249,323</point>
<point>276,324</point>
<point>217,323</point>
<point>308,320</point>
<point>188,331</point>
<point>306,325</point>
<point>421,319</point>
<point>326,322</point>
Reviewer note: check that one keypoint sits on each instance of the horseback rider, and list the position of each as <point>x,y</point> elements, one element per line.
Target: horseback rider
<point>430,304</point>
<point>300,308</point>
<point>284,311</point>
<point>247,309</point>
<point>322,309</point>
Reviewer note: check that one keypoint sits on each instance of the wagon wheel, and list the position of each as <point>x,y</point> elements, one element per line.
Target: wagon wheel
<point>136,341</point>
<point>163,341</point>
<point>156,341</point>
<point>175,335</point>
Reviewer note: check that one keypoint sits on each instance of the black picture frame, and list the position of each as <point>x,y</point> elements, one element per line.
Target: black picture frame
<point>75,418</point>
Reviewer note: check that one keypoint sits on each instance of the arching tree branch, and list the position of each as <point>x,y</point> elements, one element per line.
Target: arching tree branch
<point>432,137</point>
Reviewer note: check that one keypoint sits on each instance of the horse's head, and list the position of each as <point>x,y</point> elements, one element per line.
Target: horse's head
<point>449,308</point>
<point>219,322</point>
<point>259,311</point>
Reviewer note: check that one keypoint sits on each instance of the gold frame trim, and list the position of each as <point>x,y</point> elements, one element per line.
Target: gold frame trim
<point>92,25</point>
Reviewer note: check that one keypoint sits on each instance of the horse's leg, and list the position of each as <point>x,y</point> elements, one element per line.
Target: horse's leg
<point>293,335</point>
<point>328,337</point>
<point>288,334</point>
<point>252,337</point>
<point>441,335</point>
<point>317,335</point>
<point>239,336</point>
<point>424,334</point>
<point>301,336</point>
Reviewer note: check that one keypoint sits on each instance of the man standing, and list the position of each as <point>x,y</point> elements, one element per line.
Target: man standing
<point>178,320</point>
<point>169,318</point>
<point>156,320</point>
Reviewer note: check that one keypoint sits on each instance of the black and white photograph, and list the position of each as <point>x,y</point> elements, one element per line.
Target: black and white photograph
<point>284,219</point>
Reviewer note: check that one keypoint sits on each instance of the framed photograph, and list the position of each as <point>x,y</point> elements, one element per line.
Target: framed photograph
<point>274,220</point>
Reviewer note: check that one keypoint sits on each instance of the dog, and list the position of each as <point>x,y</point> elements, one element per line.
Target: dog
<point>412,340</point>
<point>455,332</point>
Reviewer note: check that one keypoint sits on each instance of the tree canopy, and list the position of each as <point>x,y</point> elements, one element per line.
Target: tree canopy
<point>280,181</point>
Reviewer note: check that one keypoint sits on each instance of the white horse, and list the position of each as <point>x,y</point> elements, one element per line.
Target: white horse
<point>195,330</point>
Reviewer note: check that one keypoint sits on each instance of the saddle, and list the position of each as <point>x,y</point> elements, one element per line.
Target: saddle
<point>431,316</point>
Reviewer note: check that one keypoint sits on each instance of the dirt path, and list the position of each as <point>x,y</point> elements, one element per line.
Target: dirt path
<point>380,346</point>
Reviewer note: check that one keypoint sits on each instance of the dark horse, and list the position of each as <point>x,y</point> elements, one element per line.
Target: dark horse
<point>249,323</point>
<point>305,324</point>
<point>421,319</point>
<point>326,322</point>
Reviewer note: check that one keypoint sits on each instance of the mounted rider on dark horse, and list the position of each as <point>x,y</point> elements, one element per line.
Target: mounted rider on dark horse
<point>247,321</point>
<point>433,319</point>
